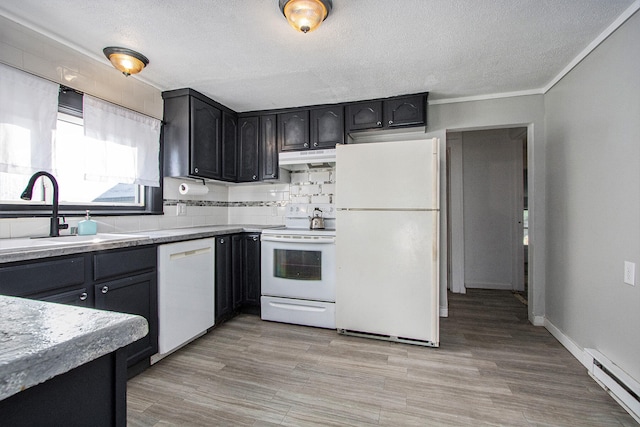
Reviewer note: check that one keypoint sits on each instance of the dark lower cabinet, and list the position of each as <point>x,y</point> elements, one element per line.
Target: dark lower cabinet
<point>251,271</point>
<point>133,295</point>
<point>93,394</point>
<point>122,280</point>
<point>224,279</point>
<point>237,275</point>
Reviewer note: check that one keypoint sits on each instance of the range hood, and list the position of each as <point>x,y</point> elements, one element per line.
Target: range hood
<point>301,160</point>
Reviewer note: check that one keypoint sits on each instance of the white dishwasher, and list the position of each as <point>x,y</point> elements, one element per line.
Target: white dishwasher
<point>186,293</point>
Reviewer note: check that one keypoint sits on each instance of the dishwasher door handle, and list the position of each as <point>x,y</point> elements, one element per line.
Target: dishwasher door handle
<point>185,254</point>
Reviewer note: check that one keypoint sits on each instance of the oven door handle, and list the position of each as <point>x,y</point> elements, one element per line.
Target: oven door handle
<point>311,240</point>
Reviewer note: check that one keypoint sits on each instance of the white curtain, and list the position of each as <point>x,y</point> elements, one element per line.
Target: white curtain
<point>28,114</point>
<point>124,144</point>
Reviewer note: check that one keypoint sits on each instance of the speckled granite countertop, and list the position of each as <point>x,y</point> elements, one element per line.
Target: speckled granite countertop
<point>12,250</point>
<point>39,340</point>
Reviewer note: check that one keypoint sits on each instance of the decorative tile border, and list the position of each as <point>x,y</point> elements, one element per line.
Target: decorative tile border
<point>209,203</point>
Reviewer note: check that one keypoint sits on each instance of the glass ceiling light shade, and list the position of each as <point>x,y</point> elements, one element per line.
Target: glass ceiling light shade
<point>126,60</point>
<point>305,15</point>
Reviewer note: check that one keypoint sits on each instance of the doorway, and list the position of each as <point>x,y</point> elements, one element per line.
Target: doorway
<point>486,193</point>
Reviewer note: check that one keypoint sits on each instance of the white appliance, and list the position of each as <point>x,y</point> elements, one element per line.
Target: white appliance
<point>186,298</point>
<point>298,269</point>
<point>301,160</point>
<point>387,202</point>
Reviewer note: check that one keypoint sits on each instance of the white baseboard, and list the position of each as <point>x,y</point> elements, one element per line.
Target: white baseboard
<point>573,348</point>
<point>537,320</point>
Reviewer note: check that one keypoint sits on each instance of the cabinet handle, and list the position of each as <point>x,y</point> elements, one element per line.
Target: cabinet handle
<point>105,289</point>
<point>195,170</point>
<point>254,177</point>
<point>273,175</point>
<point>390,122</point>
<point>221,240</point>
<point>306,145</point>
<point>83,296</point>
<point>315,144</point>
<point>379,123</point>
<point>255,239</point>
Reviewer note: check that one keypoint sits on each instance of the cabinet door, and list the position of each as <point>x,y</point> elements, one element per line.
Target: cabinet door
<point>224,279</point>
<point>409,111</point>
<point>229,147</point>
<point>133,295</point>
<point>251,270</point>
<point>248,149</point>
<point>268,147</point>
<point>40,279</point>
<point>327,127</point>
<point>293,130</point>
<point>206,147</point>
<point>364,115</point>
<point>237,263</point>
<point>78,297</point>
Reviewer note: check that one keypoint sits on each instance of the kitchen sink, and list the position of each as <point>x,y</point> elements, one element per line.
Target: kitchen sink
<point>26,243</point>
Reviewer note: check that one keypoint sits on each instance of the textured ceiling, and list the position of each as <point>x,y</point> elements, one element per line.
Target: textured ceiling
<point>244,54</point>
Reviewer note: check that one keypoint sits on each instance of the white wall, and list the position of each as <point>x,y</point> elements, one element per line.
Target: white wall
<point>593,199</point>
<point>37,54</point>
<point>525,111</point>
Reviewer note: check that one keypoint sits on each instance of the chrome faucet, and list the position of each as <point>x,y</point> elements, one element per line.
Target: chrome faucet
<point>55,227</point>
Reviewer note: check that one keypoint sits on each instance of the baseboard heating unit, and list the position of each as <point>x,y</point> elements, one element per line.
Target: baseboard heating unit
<point>624,389</point>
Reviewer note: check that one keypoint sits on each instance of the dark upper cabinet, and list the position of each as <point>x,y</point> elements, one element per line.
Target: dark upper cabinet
<point>268,147</point>
<point>206,140</point>
<point>230,149</point>
<point>192,135</point>
<point>364,115</point>
<point>406,111</point>
<point>248,148</point>
<point>293,130</point>
<point>327,127</point>
<point>387,113</point>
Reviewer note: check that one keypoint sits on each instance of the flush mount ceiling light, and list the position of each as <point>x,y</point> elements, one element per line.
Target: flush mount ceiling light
<point>126,60</point>
<point>305,15</point>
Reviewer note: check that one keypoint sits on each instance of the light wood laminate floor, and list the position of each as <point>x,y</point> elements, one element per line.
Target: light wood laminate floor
<point>492,368</point>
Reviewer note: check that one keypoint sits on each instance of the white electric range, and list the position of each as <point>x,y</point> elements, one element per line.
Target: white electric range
<point>299,269</point>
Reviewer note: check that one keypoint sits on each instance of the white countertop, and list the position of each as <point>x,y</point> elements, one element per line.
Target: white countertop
<point>39,340</point>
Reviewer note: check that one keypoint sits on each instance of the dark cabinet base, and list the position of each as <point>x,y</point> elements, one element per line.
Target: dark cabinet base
<point>94,394</point>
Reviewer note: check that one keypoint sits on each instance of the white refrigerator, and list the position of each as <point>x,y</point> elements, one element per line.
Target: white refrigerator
<point>387,240</point>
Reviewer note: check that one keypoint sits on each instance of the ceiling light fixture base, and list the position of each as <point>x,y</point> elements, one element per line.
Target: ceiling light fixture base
<point>305,15</point>
<point>126,60</point>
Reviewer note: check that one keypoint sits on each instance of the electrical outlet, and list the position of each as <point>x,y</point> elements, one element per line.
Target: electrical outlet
<point>630,273</point>
<point>181,209</point>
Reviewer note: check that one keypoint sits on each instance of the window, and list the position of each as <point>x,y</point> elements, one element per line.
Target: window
<point>73,158</point>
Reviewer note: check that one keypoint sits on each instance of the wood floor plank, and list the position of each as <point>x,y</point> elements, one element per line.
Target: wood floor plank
<point>493,369</point>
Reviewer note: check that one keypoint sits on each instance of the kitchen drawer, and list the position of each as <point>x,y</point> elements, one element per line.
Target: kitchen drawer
<point>123,262</point>
<point>42,277</point>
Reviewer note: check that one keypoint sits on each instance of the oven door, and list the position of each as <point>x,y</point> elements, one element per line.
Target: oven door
<point>299,267</point>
